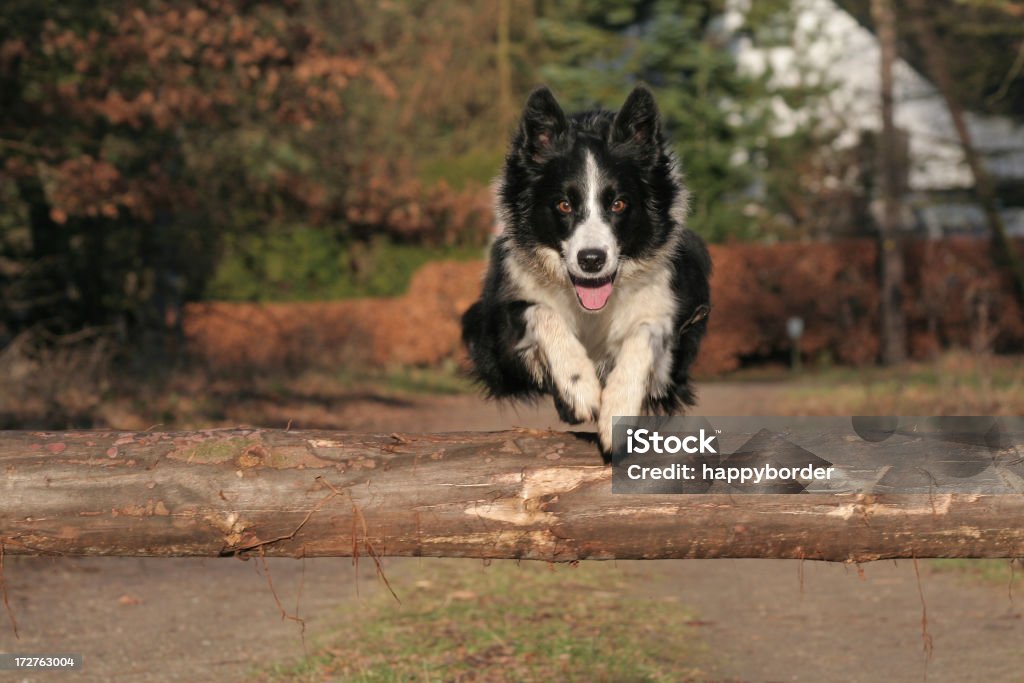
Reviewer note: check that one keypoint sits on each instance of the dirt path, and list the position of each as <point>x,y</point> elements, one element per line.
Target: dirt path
<point>144,620</point>
<point>764,624</point>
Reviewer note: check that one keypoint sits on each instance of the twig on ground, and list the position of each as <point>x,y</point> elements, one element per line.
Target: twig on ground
<point>273,591</point>
<point>3,594</point>
<point>926,637</point>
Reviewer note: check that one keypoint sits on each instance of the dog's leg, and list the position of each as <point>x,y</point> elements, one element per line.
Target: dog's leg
<point>637,367</point>
<point>558,360</point>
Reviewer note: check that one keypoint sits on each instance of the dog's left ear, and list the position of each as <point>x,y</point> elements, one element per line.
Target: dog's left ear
<point>543,123</point>
<point>637,122</point>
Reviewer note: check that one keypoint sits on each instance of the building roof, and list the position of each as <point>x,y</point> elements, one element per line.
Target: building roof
<point>830,46</point>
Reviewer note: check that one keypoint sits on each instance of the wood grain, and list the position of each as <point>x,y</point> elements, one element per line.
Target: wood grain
<point>513,494</point>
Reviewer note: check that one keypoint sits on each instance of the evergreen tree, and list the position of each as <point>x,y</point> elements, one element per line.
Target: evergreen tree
<point>719,117</point>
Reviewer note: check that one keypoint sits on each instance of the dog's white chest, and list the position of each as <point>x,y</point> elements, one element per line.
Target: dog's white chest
<point>634,304</point>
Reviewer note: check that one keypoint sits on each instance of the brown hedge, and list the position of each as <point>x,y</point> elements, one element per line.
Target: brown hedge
<point>953,296</point>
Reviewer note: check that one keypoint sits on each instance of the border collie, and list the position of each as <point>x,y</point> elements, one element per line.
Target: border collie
<point>596,292</point>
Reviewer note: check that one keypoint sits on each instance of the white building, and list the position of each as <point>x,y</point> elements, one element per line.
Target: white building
<point>830,46</point>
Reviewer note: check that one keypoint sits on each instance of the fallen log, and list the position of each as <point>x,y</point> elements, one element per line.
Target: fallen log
<point>512,494</point>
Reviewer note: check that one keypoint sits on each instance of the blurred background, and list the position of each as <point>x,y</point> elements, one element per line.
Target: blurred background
<point>273,213</point>
<point>230,190</point>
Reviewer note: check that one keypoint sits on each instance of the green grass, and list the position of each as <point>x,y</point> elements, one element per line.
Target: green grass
<point>1000,572</point>
<point>957,383</point>
<point>396,380</point>
<point>443,380</point>
<point>954,366</point>
<point>508,622</point>
<point>306,265</point>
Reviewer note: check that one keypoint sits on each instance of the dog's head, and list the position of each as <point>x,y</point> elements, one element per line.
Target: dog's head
<point>591,195</point>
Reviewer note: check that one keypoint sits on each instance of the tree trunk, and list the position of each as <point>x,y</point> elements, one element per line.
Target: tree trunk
<point>515,494</point>
<point>890,252</point>
<point>48,280</point>
<point>504,63</point>
<point>1003,251</point>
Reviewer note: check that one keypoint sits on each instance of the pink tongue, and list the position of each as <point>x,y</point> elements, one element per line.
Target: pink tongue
<point>594,298</point>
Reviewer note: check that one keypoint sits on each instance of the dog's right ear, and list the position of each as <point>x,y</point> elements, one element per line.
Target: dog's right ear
<point>543,122</point>
<point>637,122</point>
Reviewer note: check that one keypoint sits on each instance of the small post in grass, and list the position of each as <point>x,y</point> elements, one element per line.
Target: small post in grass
<point>795,330</point>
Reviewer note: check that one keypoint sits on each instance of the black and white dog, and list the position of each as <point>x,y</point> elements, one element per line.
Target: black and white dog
<point>596,292</point>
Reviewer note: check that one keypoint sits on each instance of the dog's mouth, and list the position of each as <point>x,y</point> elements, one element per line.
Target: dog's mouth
<point>593,293</point>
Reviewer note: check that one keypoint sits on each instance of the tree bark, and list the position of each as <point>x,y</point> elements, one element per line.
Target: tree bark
<point>515,494</point>
<point>1003,251</point>
<point>890,251</point>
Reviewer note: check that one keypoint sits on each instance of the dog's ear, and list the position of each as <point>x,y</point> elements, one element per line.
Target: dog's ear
<point>543,121</point>
<point>637,122</point>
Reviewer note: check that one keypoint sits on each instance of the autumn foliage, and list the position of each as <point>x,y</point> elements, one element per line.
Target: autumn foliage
<point>159,152</point>
<point>953,299</point>
<point>140,140</point>
<point>140,71</point>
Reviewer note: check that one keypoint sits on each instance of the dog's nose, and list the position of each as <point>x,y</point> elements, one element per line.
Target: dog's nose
<point>591,260</point>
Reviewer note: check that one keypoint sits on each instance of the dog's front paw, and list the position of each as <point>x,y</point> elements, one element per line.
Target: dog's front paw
<point>566,412</point>
<point>604,434</point>
<point>618,400</point>
<point>579,398</point>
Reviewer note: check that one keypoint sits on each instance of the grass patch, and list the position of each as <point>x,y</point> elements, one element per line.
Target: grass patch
<point>444,380</point>
<point>508,622</point>
<point>1000,572</point>
<point>189,398</point>
<point>77,388</point>
<point>958,383</point>
<point>305,264</point>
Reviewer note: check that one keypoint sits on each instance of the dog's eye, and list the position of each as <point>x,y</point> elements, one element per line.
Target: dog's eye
<point>618,206</point>
<point>564,206</point>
